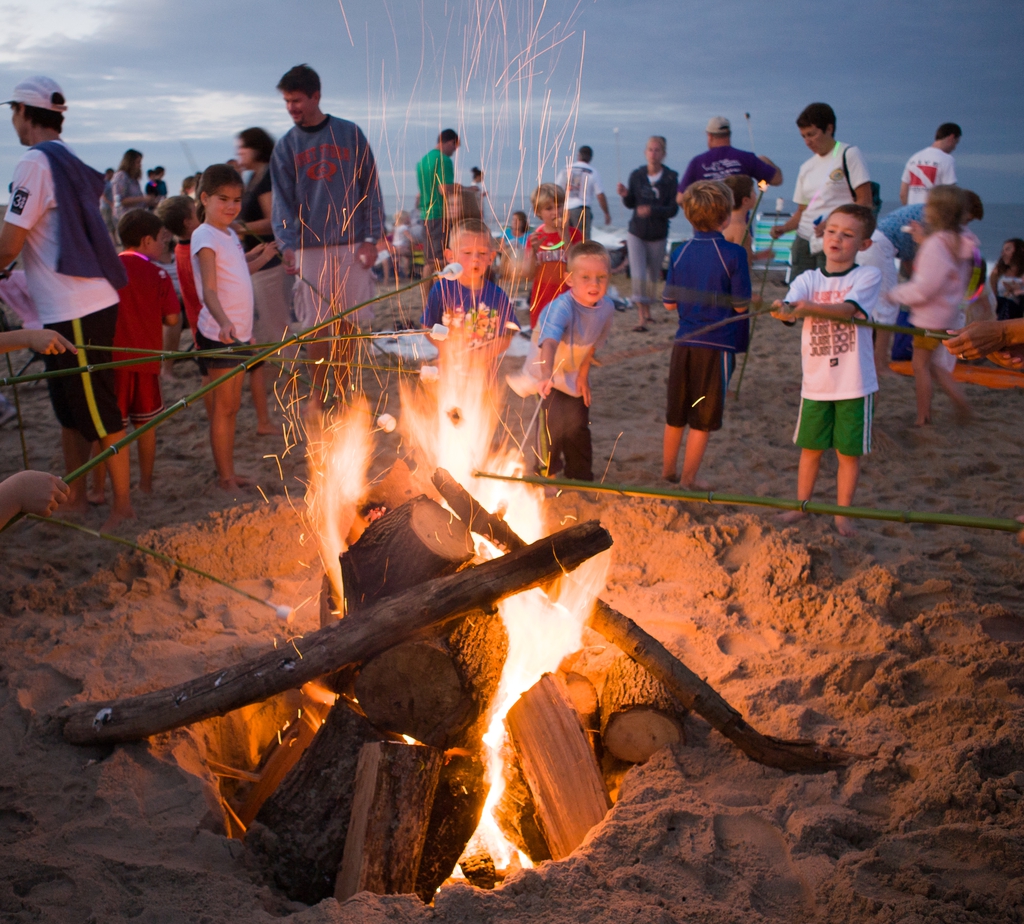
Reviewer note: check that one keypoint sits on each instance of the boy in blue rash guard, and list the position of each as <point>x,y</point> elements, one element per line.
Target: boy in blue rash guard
<point>708,281</point>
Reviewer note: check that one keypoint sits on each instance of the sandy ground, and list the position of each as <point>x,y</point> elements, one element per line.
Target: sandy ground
<point>904,644</point>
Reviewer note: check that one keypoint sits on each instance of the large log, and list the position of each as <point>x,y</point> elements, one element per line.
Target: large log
<point>638,714</point>
<point>516,812</point>
<point>412,544</point>
<point>358,637</point>
<point>458,805</point>
<point>391,804</point>
<point>698,696</point>
<point>473,514</point>
<point>437,690</point>
<point>558,764</point>
<point>299,833</point>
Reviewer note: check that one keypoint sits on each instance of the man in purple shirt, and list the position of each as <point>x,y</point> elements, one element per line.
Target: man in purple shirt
<point>721,159</point>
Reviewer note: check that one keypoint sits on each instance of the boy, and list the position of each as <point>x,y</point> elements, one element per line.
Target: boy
<point>572,328</point>
<point>474,309</point>
<point>178,214</point>
<point>839,381</point>
<point>147,303</point>
<point>708,282</point>
<point>739,230</point>
<point>544,258</point>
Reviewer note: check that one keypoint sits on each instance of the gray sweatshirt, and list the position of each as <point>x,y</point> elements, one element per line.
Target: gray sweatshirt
<point>325,187</point>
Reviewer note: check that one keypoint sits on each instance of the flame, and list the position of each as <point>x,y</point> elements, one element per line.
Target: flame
<point>338,452</point>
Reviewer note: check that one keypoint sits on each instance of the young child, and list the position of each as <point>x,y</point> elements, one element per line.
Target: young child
<point>739,230</point>
<point>942,268</point>
<point>545,252</point>
<point>571,329</point>
<point>708,282</point>
<point>401,243</point>
<point>148,303</point>
<point>178,213</point>
<point>476,312</point>
<point>221,269</point>
<point>839,381</point>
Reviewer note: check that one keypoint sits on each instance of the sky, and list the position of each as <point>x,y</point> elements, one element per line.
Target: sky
<point>526,81</point>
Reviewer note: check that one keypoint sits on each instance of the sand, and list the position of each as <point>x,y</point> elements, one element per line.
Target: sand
<point>904,644</point>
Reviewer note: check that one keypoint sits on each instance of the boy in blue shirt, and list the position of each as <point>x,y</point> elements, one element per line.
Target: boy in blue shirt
<point>476,312</point>
<point>708,282</point>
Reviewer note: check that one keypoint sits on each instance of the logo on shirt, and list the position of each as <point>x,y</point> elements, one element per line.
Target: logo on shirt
<point>836,175</point>
<point>319,160</point>
<point>832,339</point>
<point>19,200</point>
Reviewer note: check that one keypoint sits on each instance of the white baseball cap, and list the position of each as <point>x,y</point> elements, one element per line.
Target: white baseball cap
<point>41,93</point>
<point>719,125</point>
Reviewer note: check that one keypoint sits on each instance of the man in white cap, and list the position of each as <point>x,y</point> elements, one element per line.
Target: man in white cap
<point>721,159</point>
<point>73,273</point>
<point>582,183</point>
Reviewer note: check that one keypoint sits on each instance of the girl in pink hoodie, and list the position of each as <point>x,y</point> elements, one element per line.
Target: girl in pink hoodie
<point>942,269</point>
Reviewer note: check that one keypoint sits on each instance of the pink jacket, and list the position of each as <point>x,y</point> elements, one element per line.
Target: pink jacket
<point>942,269</point>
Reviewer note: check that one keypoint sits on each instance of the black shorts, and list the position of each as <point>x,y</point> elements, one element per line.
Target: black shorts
<point>433,245</point>
<point>228,361</point>
<point>697,381</point>
<point>87,402</point>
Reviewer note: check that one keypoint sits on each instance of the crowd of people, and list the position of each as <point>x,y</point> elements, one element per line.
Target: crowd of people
<point>295,242</point>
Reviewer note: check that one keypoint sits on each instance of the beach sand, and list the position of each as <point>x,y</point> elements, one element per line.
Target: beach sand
<point>904,644</point>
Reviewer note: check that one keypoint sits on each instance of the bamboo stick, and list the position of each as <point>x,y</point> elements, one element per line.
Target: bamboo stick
<point>781,503</point>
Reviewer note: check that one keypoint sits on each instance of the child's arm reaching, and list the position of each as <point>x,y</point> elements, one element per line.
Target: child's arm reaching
<point>208,272</point>
<point>260,256</point>
<point>31,492</point>
<point>39,341</point>
<point>547,366</point>
<point>791,311</point>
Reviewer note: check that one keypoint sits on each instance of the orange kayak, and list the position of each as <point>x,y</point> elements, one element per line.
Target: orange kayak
<point>988,376</point>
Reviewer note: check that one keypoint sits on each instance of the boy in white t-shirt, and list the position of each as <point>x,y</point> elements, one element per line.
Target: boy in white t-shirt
<point>839,380</point>
<point>934,166</point>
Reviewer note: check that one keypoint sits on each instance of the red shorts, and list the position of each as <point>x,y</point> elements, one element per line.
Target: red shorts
<point>138,395</point>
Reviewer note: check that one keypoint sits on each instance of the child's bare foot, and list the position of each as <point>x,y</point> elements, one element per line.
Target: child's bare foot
<point>265,429</point>
<point>146,487</point>
<point>845,527</point>
<point>117,516</point>
<point>695,485</point>
<point>670,477</point>
<point>926,422</point>
<point>96,498</point>
<point>791,516</point>
<point>235,483</point>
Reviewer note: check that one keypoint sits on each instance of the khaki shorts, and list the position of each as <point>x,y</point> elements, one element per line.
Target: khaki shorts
<point>928,344</point>
<point>343,282</point>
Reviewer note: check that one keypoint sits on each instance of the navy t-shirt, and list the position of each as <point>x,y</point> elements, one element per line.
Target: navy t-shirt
<point>699,270</point>
<point>482,315</point>
<point>718,163</point>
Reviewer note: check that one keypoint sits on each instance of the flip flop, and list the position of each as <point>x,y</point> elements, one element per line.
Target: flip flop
<point>640,329</point>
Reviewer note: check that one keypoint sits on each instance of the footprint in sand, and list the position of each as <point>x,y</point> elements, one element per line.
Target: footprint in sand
<point>1004,628</point>
<point>738,644</point>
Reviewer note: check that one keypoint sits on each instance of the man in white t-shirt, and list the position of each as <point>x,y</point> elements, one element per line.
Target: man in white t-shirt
<point>835,175</point>
<point>934,166</point>
<point>839,381</point>
<point>581,182</point>
<point>82,304</point>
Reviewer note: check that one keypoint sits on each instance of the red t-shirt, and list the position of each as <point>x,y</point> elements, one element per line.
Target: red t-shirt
<point>187,284</point>
<point>549,281</point>
<point>145,302</point>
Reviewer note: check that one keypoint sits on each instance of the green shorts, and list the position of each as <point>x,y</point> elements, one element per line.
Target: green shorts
<point>844,426</point>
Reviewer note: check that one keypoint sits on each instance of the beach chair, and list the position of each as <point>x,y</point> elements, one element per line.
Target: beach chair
<point>783,247</point>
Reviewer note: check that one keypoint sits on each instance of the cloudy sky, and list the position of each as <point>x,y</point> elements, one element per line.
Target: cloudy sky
<point>525,80</point>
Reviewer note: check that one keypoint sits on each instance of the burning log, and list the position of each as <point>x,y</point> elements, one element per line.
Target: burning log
<point>358,637</point>
<point>458,805</point>
<point>638,715</point>
<point>700,697</point>
<point>394,791</point>
<point>475,516</point>
<point>559,767</point>
<point>437,690</point>
<point>409,545</point>
<point>516,812</point>
<point>300,830</point>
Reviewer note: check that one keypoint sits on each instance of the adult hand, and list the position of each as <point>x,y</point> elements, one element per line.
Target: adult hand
<point>917,232</point>
<point>819,229</point>
<point>643,211</point>
<point>366,253</point>
<point>621,189</point>
<point>288,258</point>
<point>1012,358</point>
<point>227,333</point>
<point>585,392</point>
<point>40,492</point>
<point>48,342</point>
<point>544,389</point>
<point>978,339</point>
<point>776,232</point>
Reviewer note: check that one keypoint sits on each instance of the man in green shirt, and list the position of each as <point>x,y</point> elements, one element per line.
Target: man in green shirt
<point>435,176</point>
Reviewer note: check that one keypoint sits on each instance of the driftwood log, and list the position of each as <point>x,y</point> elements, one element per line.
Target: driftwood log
<point>356,638</point>
<point>559,767</point>
<point>474,515</point>
<point>394,792</point>
<point>638,715</point>
<point>408,546</point>
<point>698,696</point>
<point>300,830</point>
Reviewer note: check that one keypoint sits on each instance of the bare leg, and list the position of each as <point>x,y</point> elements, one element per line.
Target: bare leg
<point>227,398</point>
<point>949,385</point>
<point>97,478</point>
<point>258,389</point>
<point>846,485</point>
<point>147,460</point>
<point>922,363</point>
<point>120,483</point>
<point>172,343</point>
<point>883,342</point>
<point>696,444</point>
<point>76,454</point>
<point>810,461</point>
<point>670,452</point>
